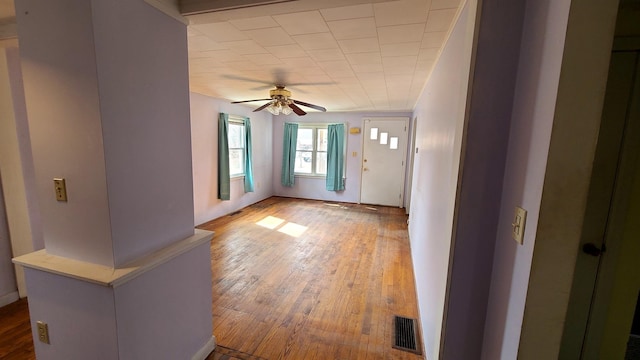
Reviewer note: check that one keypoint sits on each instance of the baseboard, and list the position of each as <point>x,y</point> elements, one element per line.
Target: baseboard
<point>205,350</point>
<point>9,298</point>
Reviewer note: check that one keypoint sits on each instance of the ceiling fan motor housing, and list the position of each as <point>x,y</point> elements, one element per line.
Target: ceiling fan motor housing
<point>280,92</point>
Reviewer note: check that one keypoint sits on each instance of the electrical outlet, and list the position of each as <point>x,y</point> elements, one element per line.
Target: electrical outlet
<point>43,332</point>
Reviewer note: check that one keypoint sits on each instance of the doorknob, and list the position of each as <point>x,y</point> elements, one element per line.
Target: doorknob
<point>592,249</point>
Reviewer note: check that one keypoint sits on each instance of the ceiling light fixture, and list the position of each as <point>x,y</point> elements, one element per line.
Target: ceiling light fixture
<point>279,105</point>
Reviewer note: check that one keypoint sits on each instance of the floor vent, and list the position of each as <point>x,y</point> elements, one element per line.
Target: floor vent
<point>406,335</point>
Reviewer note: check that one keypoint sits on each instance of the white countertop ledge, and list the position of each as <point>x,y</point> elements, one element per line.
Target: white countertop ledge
<point>108,276</point>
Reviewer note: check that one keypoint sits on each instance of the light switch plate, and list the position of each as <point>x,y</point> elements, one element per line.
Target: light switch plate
<point>60,188</point>
<point>519,221</point>
<point>43,332</point>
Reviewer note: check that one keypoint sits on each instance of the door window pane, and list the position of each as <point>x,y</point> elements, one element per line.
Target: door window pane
<point>393,143</point>
<point>384,137</point>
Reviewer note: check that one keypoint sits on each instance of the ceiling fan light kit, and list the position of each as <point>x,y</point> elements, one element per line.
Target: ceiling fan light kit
<point>281,103</point>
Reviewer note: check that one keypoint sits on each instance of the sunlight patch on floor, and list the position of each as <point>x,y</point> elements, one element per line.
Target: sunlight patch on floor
<point>270,222</point>
<point>276,223</point>
<point>293,229</point>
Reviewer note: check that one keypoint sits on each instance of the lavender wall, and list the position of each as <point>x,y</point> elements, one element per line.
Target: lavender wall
<point>535,96</point>
<point>145,125</point>
<point>65,127</point>
<point>8,286</point>
<point>480,188</point>
<point>204,142</point>
<point>441,112</point>
<point>315,188</point>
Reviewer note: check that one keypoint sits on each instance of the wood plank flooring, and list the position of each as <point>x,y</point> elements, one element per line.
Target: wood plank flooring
<point>314,280</point>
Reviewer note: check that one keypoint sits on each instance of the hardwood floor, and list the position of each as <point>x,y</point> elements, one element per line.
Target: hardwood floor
<point>327,290</point>
<point>294,279</point>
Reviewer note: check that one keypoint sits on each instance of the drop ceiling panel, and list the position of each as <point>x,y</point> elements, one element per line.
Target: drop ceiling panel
<point>254,23</point>
<point>317,41</point>
<point>440,20</point>
<point>270,36</point>
<point>434,39</point>
<point>359,45</point>
<point>400,33</point>
<point>347,12</point>
<point>347,55</point>
<point>221,32</point>
<point>308,22</point>
<point>402,49</point>
<point>353,28</point>
<point>401,12</point>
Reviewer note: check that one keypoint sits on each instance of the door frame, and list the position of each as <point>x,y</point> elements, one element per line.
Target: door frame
<point>598,284</point>
<point>407,121</point>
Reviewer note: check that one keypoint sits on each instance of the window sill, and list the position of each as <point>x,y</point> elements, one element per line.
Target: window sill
<point>309,176</point>
<point>236,178</point>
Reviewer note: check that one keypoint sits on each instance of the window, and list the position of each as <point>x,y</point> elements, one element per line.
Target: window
<point>311,150</point>
<point>236,147</point>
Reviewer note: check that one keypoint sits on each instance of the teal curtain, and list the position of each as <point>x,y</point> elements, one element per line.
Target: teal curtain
<point>289,141</point>
<point>248,168</point>
<point>224,180</point>
<point>335,157</point>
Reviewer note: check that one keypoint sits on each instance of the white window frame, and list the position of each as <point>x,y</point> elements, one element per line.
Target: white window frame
<point>237,121</point>
<point>314,151</point>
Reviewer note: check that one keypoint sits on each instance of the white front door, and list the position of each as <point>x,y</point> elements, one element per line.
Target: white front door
<point>384,153</point>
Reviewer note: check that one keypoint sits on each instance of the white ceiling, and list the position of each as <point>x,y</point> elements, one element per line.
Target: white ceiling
<point>343,55</point>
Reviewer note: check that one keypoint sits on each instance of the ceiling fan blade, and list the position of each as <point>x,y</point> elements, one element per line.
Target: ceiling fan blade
<point>262,107</point>
<point>244,101</point>
<point>297,110</point>
<point>310,105</point>
<point>242,78</point>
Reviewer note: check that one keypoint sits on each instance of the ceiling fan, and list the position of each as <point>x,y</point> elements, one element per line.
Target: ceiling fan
<point>281,102</point>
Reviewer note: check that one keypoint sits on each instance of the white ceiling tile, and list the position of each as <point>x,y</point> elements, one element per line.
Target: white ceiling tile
<point>221,32</point>
<point>244,65</point>
<point>428,54</point>
<point>367,68</point>
<point>254,23</point>
<point>353,28</point>
<point>337,74</point>
<point>263,59</point>
<point>440,20</point>
<point>335,65</point>
<point>434,39</point>
<point>364,58</point>
<point>347,12</point>
<point>424,65</point>
<point>308,22</point>
<point>400,33</point>
<point>316,41</point>
<point>402,49</point>
<point>301,62</point>
<point>444,4</point>
<point>326,55</point>
<point>401,12</point>
<point>287,51</point>
<point>398,70</point>
<point>223,55</point>
<point>359,45</point>
<point>244,47</point>
<point>203,43</point>
<point>270,36</point>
